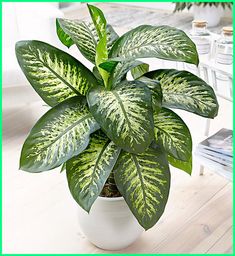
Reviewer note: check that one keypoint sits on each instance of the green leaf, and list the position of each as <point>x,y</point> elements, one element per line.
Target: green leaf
<point>162,42</point>
<point>60,134</point>
<point>101,56</point>
<point>98,20</point>
<point>97,75</point>
<point>54,74</point>
<point>85,37</point>
<point>173,133</point>
<point>156,90</point>
<point>139,70</point>
<point>185,166</point>
<point>144,182</point>
<point>125,114</point>
<point>183,90</point>
<point>63,167</point>
<point>108,65</point>
<point>63,37</point>
<point>120,71</point>
<point>87,172</point>
<point>101,48</point>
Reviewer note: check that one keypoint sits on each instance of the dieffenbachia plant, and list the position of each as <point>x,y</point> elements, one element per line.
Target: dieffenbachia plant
<point>100,124</point>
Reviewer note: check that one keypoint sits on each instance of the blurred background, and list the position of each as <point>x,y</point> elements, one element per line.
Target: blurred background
<point>37,205</point>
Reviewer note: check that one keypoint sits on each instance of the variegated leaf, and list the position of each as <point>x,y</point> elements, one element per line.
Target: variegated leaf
<point>139,70</point>
<point>144,182</point>
<point>183,90</point>
<point>182,165</point>
<point>173,133</point>
<point>84,35</point>
<point>60,134</point>
<point>162,42</point>
<point>54,74</point>
<point>120,71</point>
<point>63,37</point>
<point>101,48</point>
<point>98,20</point>
<point>156,90</point>
<point>125,114</point>
<point>87,172</point>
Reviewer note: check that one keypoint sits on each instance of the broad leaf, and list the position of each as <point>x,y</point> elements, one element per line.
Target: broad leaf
<point>60,134</point>
<point>183,90</point>
<point>63,37</point>
<point>156,90</point>
<point>101,48</point>
<point>125,114</point>
<point>139,70</point>
<point>54,74</point>
<point>120,71</point>
<point>162,42</point>
<point>173,133</point>
<point>144,182</point>
<point>84,35</point>
<point>63,167</point>
<point>185,166</point>
<point>87,172</point>
<point>98,20</point>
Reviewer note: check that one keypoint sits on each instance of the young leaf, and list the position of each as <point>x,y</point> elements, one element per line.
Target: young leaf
<point>144,182</point>
<point>125,114</point>
<point>63,37</point>
<point>60,134</point>
<point>101,56</point>
<point>98,20</point>
<point>183,90</point>
<point>101,48</point>
<point>54,74</point>
<point>85,37</point>
<point>185,166</point>
<point>173,134</point>
<point>139,70</point>
<point>162,42</point>
<point>87,172</point>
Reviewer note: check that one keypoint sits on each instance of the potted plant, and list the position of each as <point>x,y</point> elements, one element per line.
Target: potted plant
<point>208,11</point>
<point>114,137</point>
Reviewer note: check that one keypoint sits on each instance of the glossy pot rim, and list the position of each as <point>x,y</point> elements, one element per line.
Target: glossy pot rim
<point>111,199</point>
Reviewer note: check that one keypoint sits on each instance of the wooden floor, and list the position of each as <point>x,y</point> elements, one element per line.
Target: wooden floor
<point>40,216</point>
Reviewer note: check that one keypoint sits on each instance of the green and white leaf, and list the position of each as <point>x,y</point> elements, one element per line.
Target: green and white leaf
<point>139,70</point>
<point>60,134</point>
<point>183,90</point>
<point>144,182</point>
<point>162,42</point>
<point>98,20</point>
<point>85,36</point>
<point>54,74</point>
<point>88,172</point>
<point>101,56</point>
<point>120,71</point>
<point>173,133</point>
<point>64,38</point>
<point>125,114</point>
<point>156,90</point>
<point>101,48</point>
<point>182,165</point>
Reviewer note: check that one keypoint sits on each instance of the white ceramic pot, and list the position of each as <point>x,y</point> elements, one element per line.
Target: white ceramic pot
<point>211,14</point>
<point>110,225</point>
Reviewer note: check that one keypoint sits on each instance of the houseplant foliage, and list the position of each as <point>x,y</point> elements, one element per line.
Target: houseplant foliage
<point>104,129</point>
<point>180,6</point>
